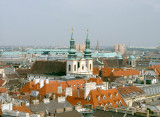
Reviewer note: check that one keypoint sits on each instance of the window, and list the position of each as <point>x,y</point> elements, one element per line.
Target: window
<point>111,105</point>
<point>69,67</point>
<point>104,97</point>
<point>74,67</point>
<point>111,96</point>
<point>90,66</point>
<point>78,65</point>
<point>82,67</point>
<point>98,98</point>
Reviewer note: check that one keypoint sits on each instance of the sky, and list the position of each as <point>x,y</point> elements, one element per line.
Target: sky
<point>50,22</point>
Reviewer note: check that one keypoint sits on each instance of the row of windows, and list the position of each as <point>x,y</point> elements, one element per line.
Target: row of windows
<point>75,68</point>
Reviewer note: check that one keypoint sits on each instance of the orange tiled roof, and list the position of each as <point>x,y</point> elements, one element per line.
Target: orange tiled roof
<point>3,90</point>
<point>78,93</point>
<point>64,84</point>
<point>108,98</point>
<point>97,80</point>
<point>1,82</point>
<point>76,83</point>
<point>130,91</point>
<point>22,108</point>
<point>49,88</point>
<point>156,68</point>
<point>125,73</point>
<point>52,86</point>
<point>107,71</point>
<point>28,87</point>
<point>95,70</point>
<point>77,100</point>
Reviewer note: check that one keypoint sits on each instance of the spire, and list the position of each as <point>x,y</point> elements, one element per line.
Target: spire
<point>87,52</point>
<point>72,34</point>
<point>87,33</point>
<point>72,51</point>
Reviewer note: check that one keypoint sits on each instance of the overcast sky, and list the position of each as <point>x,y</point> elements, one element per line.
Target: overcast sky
<point>49,22</point>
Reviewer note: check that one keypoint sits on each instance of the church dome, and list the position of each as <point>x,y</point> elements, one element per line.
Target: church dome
<point>132,57</point>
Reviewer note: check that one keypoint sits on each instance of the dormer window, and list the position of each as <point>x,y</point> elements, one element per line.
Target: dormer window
<point>111,96</point>
<point>88,98</point>
<point>111,105</point>
<point>98,98</point>
<point>104,97</point>
<point>74,85</point>
<point>81,84</point>
<point>117,95</point>
<point>120,103</point>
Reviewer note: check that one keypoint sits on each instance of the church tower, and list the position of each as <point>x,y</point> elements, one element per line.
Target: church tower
<point>79,66</point>
<point>72,62</point>
<point>88,56</point>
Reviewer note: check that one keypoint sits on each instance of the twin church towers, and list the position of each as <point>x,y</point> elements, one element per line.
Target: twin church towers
<point>83,65</point>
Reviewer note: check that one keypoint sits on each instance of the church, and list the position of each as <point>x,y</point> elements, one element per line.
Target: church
<point>76,65</point>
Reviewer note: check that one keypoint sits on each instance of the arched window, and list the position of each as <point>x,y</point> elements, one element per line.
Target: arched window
<point>69,67</point>
<point>90,66</point>
<point>74,67</point>
<point>82,67</point>
<point>78,65</point>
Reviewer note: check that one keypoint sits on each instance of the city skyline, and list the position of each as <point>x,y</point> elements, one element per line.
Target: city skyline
<point>49,23</point>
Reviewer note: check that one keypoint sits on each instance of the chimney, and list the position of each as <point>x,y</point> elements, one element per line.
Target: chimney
<point>36,81</point>
<point>59,89</point>
<point>4,75</point>
<point>47,81</point>
<point>107,86</point>
<point>113,70</point>
<point>68,91</point>
<point>41,83</point>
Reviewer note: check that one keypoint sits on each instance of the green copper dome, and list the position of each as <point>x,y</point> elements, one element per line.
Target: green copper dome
<point>132,57</point>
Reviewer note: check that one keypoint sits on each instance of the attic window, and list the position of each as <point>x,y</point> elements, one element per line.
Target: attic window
<point>88,98</point>
<point>111,96</point>
<point>98,98</point>
<point>120,103</point>
<point>104,97</point>
<point>111,105</point>
<point>117,95</point>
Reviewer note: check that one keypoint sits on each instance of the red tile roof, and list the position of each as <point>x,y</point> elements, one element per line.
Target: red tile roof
<point>127,72</point>
<point>95,70</point>
<point>76,83</point>
<point>106,72</point>
<point>22,108</point>
<point>49,88</point>
<point>110,97</point>
<point>156,68</point>
<point>28,87</point>
<point>129,91</point>
<point>3,90</point>
<point>2,82</point>
<point>97,80</point>
<point>52,86</point>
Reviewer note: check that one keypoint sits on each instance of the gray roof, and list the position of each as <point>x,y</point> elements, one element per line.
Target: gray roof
<point>72,113</point>
<point>152,90</point>
<point>50,107</point>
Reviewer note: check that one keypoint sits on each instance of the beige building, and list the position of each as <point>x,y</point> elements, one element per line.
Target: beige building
<point>120,48</point>
<point>80,47</point>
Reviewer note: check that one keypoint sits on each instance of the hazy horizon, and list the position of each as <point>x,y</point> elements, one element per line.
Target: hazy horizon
<point>49,23</point>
